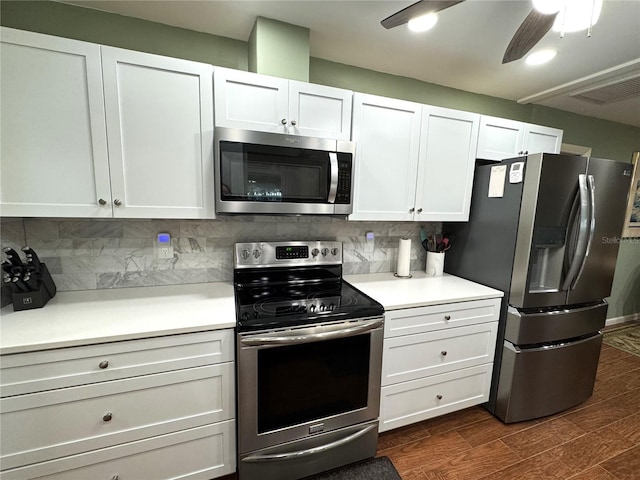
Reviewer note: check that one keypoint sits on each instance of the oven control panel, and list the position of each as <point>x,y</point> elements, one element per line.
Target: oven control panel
<point>286,254</point>
<point>292,251</point>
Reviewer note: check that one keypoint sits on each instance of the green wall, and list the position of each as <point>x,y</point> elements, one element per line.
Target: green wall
<point>608,139</point>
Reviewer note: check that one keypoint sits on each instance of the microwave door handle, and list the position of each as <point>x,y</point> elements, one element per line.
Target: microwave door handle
<point>591,188</point>
<point>333,173</point>
<point>583,232</point>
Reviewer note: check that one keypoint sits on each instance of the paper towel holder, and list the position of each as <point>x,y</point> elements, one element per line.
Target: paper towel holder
<point>402,276</point>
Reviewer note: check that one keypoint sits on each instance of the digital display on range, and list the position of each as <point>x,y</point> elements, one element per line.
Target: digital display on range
<point>292,252</point>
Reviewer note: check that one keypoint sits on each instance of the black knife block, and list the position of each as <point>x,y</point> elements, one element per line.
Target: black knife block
<point>37,299</point>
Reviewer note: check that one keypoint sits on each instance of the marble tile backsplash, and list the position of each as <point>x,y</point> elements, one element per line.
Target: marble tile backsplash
<point>88,254</point>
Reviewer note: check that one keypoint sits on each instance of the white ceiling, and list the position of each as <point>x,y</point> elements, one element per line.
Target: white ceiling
<point>463,51</point>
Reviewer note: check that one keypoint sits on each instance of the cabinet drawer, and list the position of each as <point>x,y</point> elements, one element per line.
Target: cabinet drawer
<point>415,356</point>
<point>64,422</point>
<point>50,369</point>
<point>410,402</point>
<point>436,317</point>
<point>196,454</point>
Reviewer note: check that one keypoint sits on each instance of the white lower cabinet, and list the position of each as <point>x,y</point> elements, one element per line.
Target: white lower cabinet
<point>155,421</point>
<point>436,360</point>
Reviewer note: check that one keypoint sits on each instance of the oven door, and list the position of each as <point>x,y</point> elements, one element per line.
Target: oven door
<point>303,382</point>
<point>279,174</point>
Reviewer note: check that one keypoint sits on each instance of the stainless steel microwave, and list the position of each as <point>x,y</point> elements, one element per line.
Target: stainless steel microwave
<point>275,174</point>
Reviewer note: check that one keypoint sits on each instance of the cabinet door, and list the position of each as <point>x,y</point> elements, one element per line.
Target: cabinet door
<point>387,134</point>
<point>448,143</point>
<point>499,138</point>
<point>539,139</point>
<point>319,111</point>
<point>250,101</point>
<point>54,149</point>
<point>160,135</point>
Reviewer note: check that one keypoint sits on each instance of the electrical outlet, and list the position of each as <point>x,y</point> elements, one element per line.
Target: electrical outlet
<point>164,248</point>
<point>369,242</point>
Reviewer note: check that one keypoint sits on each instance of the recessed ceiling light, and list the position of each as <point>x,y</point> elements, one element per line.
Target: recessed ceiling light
<point>540,57</point>
<point>423,22</point>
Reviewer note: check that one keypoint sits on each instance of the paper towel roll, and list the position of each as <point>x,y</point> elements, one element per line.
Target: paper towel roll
<point>404,257</point>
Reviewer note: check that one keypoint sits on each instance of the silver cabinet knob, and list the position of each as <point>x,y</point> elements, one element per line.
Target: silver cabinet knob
<point>443,353</point>
<point>447,317</point>
<point>283,121</point>
<point>411,210</point>
<point>419,210</point>
<point>103,364</point>
<point>117,202</point>
<point>293,123</point>
<point>102,201</point>
<point>115,477</point>
<point>107,417</point>
<point>439,397</point>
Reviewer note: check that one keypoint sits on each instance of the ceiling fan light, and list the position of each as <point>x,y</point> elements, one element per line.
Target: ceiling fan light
<point>423,22</point>
<point>540,57</point>
<point>578,15</point>
<point>547,7</point>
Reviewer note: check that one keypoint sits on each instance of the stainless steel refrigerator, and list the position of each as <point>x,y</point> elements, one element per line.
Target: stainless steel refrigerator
<point>545,230</point>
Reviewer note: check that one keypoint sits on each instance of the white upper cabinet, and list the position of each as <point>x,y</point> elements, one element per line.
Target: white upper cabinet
<point>500,138</point>
<point>448,143</point>
<point>53,149</point>
<point>387,136</point>
<point>270,104</point>
<point>159,114</point>
<point>539,139</point>
<point>140,147</point>
<point>413,162</point>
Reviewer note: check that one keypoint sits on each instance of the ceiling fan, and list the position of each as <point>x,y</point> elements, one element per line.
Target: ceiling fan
<point>533,28</point>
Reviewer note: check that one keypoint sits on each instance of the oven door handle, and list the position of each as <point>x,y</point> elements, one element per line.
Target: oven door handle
<point>310,451</point>
<point>327,332</point>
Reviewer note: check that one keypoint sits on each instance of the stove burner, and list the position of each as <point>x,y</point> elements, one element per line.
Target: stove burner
<point>295,290</point>
<point>261,292</point>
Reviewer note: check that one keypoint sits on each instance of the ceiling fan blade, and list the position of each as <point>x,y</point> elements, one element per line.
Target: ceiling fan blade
<point>534,27</point>
<point>420,8</point>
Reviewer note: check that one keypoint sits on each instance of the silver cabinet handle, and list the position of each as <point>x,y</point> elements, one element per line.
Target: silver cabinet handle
<point>310,451</point>
<point>439,397</point>
<point>107,417</point>
<point>293,123</point>
<point>419,210</point>
<point>283,121</point>
<point>102,201</point>
<point>447,317</point>
<point>443,353</point>
<point>117,202</point>
<point>103,364</point>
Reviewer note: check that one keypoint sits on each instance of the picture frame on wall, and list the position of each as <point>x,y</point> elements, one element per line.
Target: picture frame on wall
<point>632,218</point>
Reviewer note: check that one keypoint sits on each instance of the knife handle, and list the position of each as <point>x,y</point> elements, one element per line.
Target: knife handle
<point>32,258</point>
<point>12,256</point>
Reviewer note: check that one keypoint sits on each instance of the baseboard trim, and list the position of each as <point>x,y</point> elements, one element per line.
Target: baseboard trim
<point>633,317</point>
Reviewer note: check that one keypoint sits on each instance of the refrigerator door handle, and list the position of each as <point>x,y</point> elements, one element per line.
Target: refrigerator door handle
<point>591,182</point>
<point>577,264</point>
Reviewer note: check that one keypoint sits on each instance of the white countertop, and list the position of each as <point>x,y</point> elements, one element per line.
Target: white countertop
<point>395,293</point>
<point>96,316</point>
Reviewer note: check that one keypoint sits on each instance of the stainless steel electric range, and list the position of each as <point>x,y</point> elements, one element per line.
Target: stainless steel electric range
<point>309,359</point>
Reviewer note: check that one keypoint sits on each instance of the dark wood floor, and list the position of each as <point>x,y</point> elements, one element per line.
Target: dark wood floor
<point>598,440</point>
